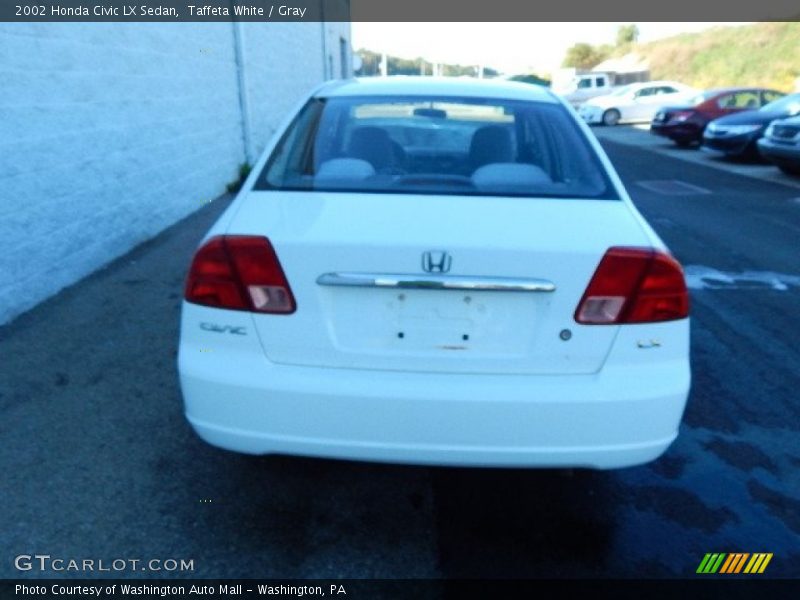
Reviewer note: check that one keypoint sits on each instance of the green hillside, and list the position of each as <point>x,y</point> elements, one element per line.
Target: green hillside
<point>766,54</point>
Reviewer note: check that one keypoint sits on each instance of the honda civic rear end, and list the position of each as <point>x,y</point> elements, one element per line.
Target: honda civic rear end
<point>436,272</point>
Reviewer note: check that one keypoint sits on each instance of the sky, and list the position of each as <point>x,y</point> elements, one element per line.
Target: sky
<point>509,47</point>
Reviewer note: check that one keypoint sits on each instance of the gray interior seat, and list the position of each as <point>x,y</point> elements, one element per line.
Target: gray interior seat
<point>373,145</point>
<point>490,144</point>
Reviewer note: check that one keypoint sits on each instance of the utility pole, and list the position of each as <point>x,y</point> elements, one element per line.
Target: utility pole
<point>384,65</point>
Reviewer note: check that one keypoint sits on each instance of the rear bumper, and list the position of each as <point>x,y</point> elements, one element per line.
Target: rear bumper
<point>683,132</point>
<point>595,457</point>
<point>626,414</point>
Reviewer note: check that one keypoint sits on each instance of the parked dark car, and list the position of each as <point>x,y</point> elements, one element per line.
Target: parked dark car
<point>738,134</point>
<point>781,145</point>
<point>685,124</point>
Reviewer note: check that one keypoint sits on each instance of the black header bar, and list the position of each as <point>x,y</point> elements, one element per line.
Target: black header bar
<point>394,10</point>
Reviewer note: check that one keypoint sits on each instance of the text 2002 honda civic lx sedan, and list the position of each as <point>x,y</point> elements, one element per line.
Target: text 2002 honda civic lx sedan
<point>436,272</point>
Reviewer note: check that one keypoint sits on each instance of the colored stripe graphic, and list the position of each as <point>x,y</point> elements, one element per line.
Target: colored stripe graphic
<point>711,563</point>
<point>741,562</point>
<point>765,563</point>
<point>758,563</point>
<point>727,564</point>
<point>734,563</point>
<point>716,565</point>
<point>703,563</point>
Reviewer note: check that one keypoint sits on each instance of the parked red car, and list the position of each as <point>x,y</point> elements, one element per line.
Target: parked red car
<point>685,124</point>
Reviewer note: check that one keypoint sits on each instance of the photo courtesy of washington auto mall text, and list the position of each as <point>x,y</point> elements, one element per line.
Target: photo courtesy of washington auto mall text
<point>163,590</point>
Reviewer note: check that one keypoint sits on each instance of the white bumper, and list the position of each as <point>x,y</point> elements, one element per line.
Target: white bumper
<point>593,115</point>
<point>626,414</point>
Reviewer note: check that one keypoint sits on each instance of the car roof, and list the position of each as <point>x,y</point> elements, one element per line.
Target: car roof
<point>658,82</point>
<point>728,90</point>
<point>400,85</point>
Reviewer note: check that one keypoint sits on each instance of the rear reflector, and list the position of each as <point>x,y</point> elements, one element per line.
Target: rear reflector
<point>634,285</point>
<point>239,273</point>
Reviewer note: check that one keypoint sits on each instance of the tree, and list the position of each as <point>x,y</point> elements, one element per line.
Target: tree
<point>370,63</point>
<point>584,56</point>
<point>627,34</point>
<point>531,78</point>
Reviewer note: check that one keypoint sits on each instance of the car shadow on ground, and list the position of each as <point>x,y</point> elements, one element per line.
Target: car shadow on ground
<point>381,520</point>
<point>524,523</point>
<point>304,517</point>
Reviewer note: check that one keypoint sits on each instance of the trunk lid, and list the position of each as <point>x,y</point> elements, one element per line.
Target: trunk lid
<point>436,330</point>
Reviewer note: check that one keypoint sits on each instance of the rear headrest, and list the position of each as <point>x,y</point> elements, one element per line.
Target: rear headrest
<point>339,170</point>
<point>510,176</point>
<point>371,144</point>
<point>491,144</point>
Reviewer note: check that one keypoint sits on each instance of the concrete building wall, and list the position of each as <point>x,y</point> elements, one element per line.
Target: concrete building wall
<point>339,59</point>
<point>289,58</point>
<point>111,132</point>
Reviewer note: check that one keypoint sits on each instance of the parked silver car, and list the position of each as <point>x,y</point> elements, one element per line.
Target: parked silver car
<point>781,144</point>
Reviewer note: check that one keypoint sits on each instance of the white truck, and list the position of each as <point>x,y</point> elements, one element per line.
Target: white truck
<point>584,86</point>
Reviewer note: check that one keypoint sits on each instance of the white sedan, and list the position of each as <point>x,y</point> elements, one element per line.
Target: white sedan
<point>637,102</point>
<point>441,272</point>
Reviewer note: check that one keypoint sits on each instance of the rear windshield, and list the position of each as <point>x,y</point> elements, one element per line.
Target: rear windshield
<point>702,97</point>
<point>436,145</point>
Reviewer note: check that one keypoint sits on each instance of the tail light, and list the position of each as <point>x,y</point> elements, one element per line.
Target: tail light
<point>681,115</point>
<point>634,285</point>
<point>239,273</point>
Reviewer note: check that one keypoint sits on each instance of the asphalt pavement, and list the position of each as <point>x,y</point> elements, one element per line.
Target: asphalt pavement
<point>99,463</point>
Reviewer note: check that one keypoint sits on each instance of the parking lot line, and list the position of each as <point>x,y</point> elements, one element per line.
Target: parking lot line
<point>673,187</point>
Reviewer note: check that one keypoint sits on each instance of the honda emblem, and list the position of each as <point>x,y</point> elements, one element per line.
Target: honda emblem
<point>436,261</point>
